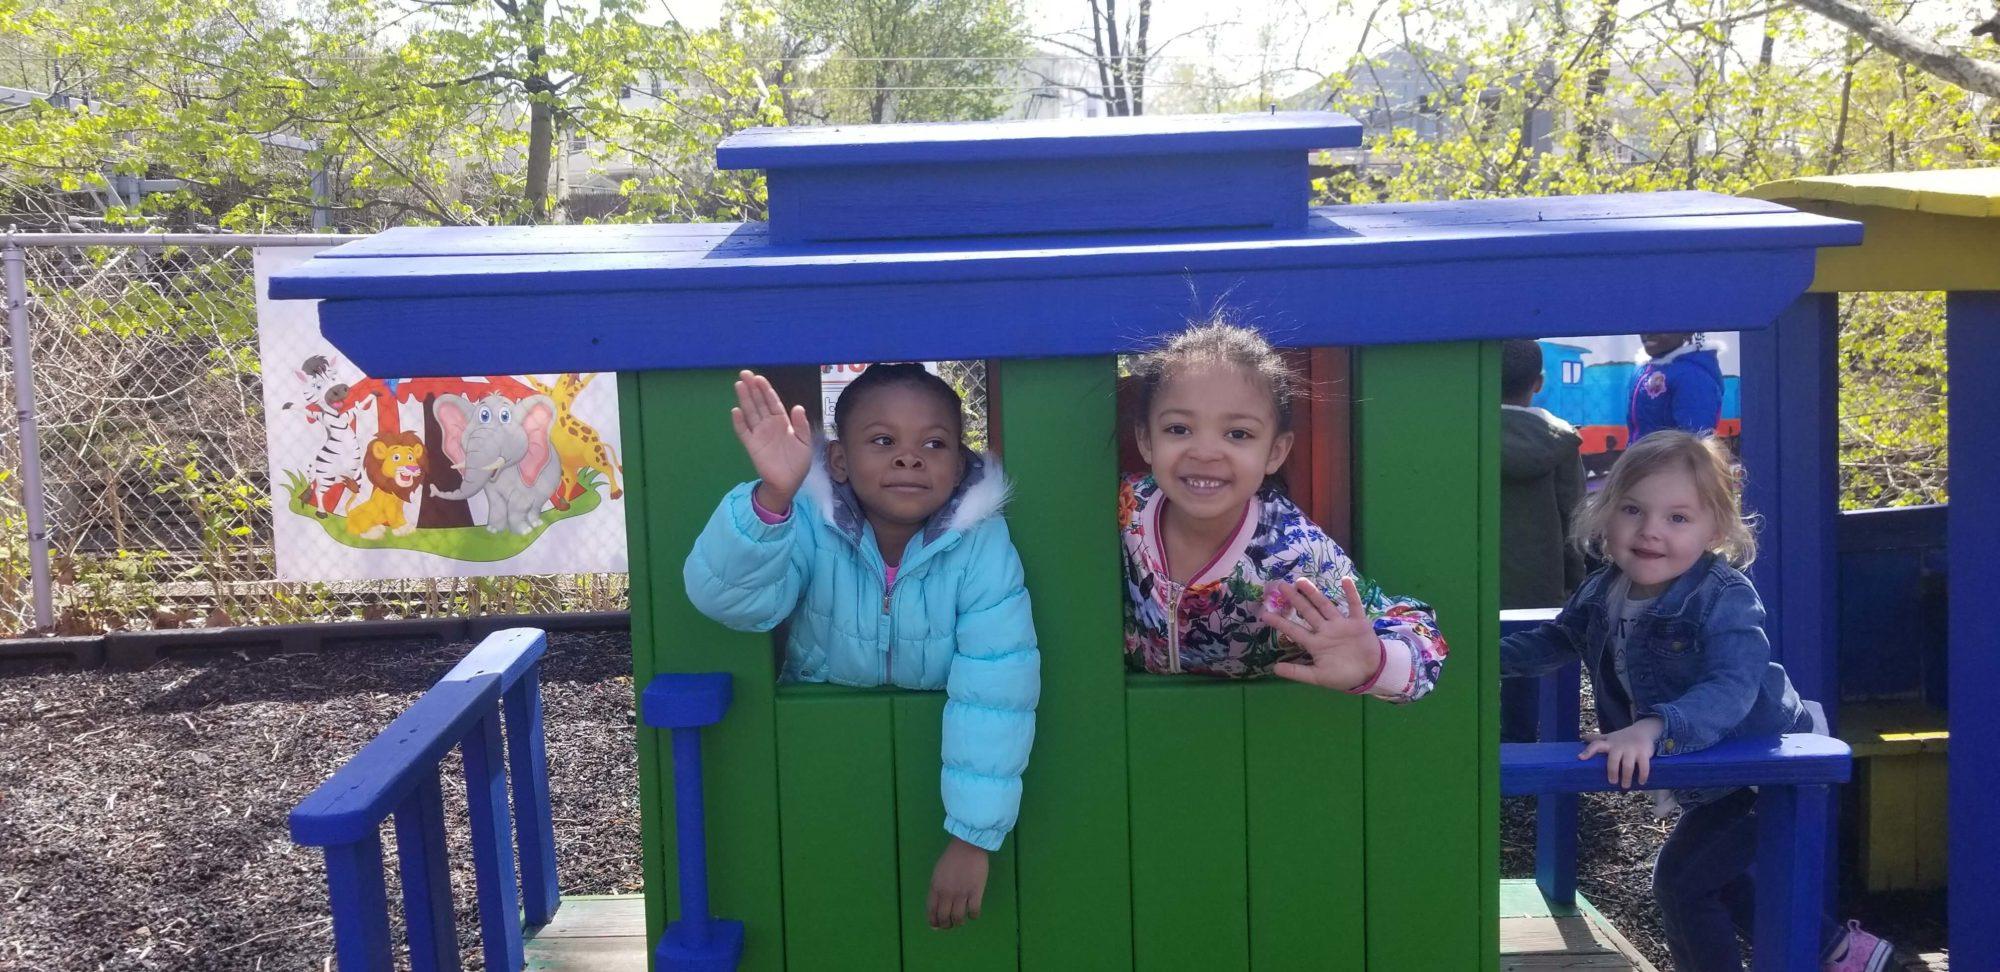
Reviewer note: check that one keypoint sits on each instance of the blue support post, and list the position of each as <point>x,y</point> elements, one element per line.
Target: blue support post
<point>1972,353</point>
<point>1791,455</point>
<point>420,854</point>
<point>534,829</point>
<point>697,941</point>
<point>1791,458</point>
<point>1791,877</point>
<point>1555,813</point>
<point>492,847</point>
<point>360,905</point>
<point>1558,708</point>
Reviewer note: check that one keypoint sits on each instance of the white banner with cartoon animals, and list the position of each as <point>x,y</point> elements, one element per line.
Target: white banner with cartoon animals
<point>378,478</point>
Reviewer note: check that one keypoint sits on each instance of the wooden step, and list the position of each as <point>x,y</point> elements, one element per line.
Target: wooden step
<point>608,934</point>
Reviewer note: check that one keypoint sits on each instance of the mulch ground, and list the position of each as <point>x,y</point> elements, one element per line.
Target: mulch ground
<point>142,814</point>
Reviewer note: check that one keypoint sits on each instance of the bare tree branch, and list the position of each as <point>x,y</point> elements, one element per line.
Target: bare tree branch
<point>1927,56</point>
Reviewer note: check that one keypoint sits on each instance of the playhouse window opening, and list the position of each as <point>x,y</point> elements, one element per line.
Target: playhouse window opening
<point>968,378</point>
<point>1317,475</point>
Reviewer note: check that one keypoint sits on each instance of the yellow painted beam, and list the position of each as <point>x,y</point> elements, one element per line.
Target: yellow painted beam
<point>1934,230</point>
<point>1973,193</point>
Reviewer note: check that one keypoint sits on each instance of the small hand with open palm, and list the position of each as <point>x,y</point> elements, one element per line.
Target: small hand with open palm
<point>778,442</point>
<point>1345,649</point>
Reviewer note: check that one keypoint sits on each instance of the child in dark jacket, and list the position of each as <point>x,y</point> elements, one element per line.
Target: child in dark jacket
<point>1541,482</point>
<point>1673,637</point>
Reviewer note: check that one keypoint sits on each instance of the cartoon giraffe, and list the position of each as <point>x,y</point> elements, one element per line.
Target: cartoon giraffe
<point>576,443</point>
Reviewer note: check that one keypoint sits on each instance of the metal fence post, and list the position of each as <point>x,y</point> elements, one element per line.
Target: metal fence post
<point>31,451</point>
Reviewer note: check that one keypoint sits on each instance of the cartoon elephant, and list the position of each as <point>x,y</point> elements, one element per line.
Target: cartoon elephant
<point>501,447</point>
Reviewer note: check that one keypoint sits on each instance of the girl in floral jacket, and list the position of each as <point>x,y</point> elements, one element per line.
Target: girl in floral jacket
<point>1224,575</point>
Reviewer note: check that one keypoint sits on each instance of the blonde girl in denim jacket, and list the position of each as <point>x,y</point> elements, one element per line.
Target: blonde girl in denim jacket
<point>1673,636</point>
<point>887,554</point>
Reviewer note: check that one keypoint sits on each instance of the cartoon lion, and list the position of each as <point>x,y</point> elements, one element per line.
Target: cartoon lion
<point>395,468</point>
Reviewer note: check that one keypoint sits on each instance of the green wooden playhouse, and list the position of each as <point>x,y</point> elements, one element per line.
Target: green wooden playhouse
<point>1167,823</point>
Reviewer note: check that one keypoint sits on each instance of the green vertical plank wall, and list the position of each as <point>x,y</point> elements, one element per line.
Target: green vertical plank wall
<point>690,460</point>
<point>656,810</point>
<point>1190,907</point>
<point>1426,481</point>
<point>1389,810</point>
<point>1302,784</point>
<point>1072,855</point>
<point>1487,624</point>
<point>992,942</point>
<point>837,794</point>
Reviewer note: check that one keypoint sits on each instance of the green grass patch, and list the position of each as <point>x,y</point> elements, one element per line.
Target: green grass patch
<point>473,543</point>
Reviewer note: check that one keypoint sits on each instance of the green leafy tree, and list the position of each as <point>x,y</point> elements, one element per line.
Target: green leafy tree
<point>902,60</point>
<point>418,110</point>
<point>1567,97</point>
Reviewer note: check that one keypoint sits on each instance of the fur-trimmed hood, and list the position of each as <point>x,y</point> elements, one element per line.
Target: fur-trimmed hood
<point>981,495</point>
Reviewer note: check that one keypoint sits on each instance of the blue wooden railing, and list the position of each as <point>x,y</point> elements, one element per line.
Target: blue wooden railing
<point>1792,774</point>
<point>396,774</point>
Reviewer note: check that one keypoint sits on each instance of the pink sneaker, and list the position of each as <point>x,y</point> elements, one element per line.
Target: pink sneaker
<point>1859,952</point>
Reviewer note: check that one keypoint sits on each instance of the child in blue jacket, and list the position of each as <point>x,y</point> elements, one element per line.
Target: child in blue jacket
<point>1680,387</point>
<point>888,555</point>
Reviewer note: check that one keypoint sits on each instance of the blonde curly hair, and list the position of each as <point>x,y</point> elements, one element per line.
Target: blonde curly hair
<point>1716,478</point>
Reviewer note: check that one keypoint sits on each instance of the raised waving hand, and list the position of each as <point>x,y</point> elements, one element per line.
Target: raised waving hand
<point>1342,644</point>
<point>779,442</point>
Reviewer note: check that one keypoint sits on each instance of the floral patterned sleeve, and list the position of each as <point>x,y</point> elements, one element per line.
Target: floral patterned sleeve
<point>1413,650</point>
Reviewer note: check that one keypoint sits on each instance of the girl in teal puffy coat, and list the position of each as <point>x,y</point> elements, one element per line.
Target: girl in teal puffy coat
<point>888,555</point>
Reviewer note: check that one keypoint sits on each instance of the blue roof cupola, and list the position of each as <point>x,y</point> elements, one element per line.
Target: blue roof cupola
<point>1077,175</point>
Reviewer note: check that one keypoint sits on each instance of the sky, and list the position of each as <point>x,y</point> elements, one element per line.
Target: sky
<point>1233,50</point>
<point>1313,32</point>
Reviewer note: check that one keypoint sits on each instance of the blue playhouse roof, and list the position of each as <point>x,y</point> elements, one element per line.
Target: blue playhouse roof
<point>1001,241</point>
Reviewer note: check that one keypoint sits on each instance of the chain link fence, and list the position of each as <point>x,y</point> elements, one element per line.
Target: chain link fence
<point>969,378</point>
<point>149,400</point>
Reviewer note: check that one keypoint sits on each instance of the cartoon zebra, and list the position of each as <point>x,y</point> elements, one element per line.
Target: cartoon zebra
<point>335,469</point>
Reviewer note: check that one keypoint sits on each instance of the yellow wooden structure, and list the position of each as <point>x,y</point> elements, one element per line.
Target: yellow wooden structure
<point>1937,230</point>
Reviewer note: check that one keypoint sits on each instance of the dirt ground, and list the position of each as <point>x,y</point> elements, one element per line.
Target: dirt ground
<point>142,814</point>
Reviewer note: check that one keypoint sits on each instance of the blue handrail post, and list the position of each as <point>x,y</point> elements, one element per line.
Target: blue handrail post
<point>698,941</point>
<point>1791,879</point>
<point>1558,708</point>
<point>534,826</point>
<point>492,851</point>
<point>1555,813</point>
<point>420,849</point>
<point>360,904</point>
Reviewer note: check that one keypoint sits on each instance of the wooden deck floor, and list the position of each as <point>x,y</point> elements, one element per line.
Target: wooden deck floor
<point>1533,936</point>
<point>608,934</point>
